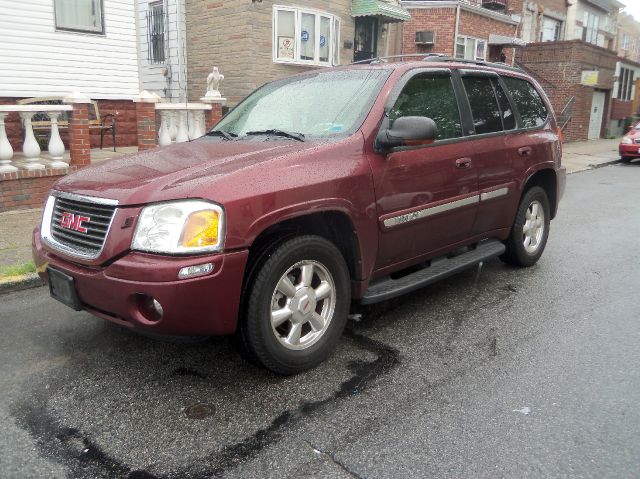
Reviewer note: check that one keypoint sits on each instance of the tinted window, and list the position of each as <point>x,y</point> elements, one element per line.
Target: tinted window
<point>528,101</point>
<point>508,118</point>
<point>433,97</point>
<point>484,106</point>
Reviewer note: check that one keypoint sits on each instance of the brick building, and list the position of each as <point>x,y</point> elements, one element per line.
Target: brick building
<point>255,42</point>
<point>577,74</point>
<point>462,29</point>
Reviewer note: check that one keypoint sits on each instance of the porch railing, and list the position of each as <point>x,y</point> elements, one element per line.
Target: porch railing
<point>181,122</point>
<point>30,146</point>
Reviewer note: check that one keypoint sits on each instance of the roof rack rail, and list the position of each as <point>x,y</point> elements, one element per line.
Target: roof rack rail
<point>437,57</point>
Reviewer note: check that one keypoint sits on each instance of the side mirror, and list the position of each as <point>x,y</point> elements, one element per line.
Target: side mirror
<point>407,130</point>
<point>630,128</point>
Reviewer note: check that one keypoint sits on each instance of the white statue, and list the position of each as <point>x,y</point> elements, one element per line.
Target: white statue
<point>213,83</point>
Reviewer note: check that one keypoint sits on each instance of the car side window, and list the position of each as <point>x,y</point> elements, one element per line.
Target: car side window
<point>431,96</point>
<point>532,110</point>
<point>484,105</point>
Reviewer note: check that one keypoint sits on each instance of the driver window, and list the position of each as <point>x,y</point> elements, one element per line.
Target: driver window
<point>433,97</point>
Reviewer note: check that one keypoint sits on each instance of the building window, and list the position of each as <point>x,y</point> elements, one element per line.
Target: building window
<point>551,30</point>
<point>469,48</point>
<point>590,24</point>
<point>625,84</point>
<point>155,33</point>
<point>305,37</point>
<point>79,15</point>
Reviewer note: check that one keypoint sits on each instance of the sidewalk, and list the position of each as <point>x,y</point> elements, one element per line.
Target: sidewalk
<point>16,226</point>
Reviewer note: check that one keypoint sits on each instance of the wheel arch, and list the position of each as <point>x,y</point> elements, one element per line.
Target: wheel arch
<point>547,180</point>
<point>333,225</point>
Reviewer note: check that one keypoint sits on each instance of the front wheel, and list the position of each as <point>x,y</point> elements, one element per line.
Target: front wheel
<point>297,305</point>
<point>530,229</point>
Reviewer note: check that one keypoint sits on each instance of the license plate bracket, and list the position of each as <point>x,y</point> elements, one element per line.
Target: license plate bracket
<point>62,287</point>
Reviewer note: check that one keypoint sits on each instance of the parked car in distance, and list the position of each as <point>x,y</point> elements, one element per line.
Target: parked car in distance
<point>358,183</point>
<point>630,144</point>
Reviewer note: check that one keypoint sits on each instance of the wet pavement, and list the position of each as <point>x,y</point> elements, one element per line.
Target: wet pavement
<point>496,372</point>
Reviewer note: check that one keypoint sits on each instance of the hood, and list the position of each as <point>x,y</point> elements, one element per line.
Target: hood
<point>178,171</point>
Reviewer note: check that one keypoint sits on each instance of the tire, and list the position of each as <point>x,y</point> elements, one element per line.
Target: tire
<point>296,305</point>
<point>521,252</point>
<point>625,159</point>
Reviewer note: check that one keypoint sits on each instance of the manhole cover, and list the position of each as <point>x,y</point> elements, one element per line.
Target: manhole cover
<point>199,411</point>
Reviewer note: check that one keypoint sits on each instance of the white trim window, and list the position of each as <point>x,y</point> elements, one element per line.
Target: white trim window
<point>307,37</point>
<point>79,15</point>
<point>469,48</point>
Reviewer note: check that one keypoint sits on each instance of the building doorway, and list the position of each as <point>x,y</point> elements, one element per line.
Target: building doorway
<point>597,110</point>
<point>365,44</point>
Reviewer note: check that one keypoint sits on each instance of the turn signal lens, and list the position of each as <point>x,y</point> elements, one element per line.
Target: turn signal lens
<point>201,229</point>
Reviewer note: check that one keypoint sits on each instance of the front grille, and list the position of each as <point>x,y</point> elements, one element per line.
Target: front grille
<point>73,236</point>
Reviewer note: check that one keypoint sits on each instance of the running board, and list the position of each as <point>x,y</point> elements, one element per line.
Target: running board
<point>440,268</point>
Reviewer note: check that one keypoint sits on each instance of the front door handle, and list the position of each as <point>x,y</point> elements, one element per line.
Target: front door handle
<point>525,151</point>
<point>463,163</point>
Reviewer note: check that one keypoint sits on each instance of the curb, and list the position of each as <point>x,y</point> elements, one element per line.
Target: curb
<point>595,166</point>
<point>606,163</point>
<point>18,283</point>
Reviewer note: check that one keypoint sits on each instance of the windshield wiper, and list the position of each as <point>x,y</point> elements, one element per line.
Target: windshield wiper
<point>273,131</point>
<point>225,134</point>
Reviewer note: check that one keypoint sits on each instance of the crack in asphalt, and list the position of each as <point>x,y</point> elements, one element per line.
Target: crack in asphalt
<point>76,451</point>
<point>333,459</point>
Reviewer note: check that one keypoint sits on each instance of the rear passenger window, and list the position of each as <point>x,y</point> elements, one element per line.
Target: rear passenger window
<point>531,107</point>
<point>484,106</point>
<point>433,97</point>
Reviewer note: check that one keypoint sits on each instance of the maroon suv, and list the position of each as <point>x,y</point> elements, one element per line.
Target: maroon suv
<point>356,183</point>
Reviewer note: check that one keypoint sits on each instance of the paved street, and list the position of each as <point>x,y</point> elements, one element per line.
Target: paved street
<point>497,372</point>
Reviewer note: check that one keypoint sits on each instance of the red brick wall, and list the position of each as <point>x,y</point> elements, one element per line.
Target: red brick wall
<point>621,109</point>
<point>125,111</point>
<point>440,20</point>
<point>27,189</point>
<point>443,22</point>
<point>558,67</point>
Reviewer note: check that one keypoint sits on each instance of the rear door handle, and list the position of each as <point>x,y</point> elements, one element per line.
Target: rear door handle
<point>525,151</point>
<point>463,163</point>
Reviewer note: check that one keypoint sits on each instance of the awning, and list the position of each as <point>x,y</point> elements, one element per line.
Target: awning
<point>387,11</point>
<point>506,41</point>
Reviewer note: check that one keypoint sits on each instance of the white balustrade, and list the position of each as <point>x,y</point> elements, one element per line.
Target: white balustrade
<point>181,122</point>
<point>6,151</point>
<point>30,147</point>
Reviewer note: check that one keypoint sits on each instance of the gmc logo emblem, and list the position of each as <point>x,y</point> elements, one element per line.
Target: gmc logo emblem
<point>74,222</point>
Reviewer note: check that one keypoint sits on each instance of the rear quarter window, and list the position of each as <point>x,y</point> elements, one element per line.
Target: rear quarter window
<point>532,110</point>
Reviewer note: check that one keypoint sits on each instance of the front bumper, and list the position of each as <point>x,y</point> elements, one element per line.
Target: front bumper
<point>631,151</point>
<point>206,305</point>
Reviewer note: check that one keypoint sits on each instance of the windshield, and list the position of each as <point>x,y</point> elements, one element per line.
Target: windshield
<point>324,104</point>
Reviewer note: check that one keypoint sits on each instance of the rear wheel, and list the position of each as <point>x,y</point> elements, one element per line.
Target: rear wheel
<point>297,305</point>
<point>530,229</point>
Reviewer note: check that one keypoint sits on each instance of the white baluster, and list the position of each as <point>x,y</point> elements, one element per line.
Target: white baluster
<point>173,129</point>
<point>193,124</point>
<point>30,148</point>
<point>56,147</point>
<point>164,137</point>
<point>183,134</point>
<point>6,152</point>
<point>201,123</point>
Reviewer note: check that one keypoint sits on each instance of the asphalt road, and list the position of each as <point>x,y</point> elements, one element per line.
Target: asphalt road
<point>497,372</point>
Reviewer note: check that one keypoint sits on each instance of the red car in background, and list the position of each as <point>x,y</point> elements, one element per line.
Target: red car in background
<point>630,144</point>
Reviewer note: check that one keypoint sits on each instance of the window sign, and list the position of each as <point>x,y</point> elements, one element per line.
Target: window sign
<point>285,47</point>
<point>305,36</point>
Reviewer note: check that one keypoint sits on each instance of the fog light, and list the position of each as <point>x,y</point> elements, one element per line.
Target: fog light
<point>194,271</point>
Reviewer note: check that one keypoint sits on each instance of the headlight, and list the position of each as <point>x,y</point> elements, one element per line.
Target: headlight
<point>180,227</point>
<point>627,141</point>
